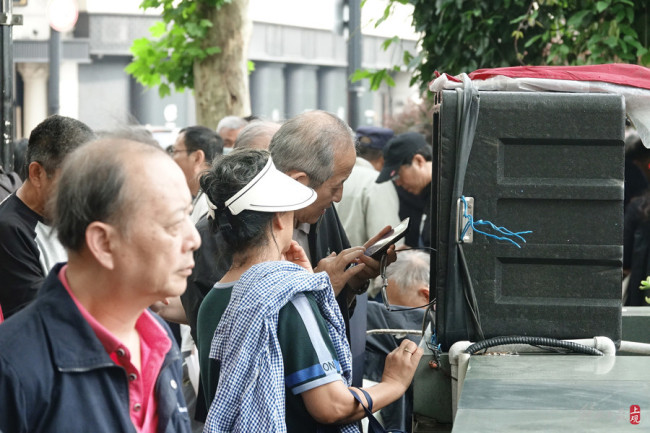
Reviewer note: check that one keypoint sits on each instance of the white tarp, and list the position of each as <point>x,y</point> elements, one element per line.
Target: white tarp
<point>637,100</point>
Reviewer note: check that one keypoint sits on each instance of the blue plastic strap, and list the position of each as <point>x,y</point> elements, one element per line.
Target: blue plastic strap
<point>506,234</point>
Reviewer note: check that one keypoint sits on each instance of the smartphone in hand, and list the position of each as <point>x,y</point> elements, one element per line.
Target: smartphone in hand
<point>380,247</point>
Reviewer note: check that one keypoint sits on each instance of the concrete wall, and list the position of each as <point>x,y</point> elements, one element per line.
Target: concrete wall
<point>104,93</point>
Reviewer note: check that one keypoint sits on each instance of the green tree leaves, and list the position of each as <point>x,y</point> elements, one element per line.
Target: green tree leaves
<point>375,77</point>
<point>462,36</point>
<point>167,58</point>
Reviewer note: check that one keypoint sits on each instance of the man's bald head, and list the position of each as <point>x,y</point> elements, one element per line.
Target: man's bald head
<point>256,135</point>
<point>308,142</point>
<point>93,187</point>
<point>317,149</point>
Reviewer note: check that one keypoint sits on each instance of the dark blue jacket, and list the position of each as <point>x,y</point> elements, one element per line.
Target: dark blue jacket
<point>55,375</point>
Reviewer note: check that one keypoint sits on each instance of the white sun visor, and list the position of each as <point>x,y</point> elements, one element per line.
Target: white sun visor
<point>271,191</point>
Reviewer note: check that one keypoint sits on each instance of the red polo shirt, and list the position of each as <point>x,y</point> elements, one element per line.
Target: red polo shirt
<point>154,344</point>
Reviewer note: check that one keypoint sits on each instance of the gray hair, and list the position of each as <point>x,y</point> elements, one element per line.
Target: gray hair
<point>256,135</point>
<point>231,122</point>
<point>410,270</point>
<point>93,187</point>
<point>307,143</point>
<point>53,139</point>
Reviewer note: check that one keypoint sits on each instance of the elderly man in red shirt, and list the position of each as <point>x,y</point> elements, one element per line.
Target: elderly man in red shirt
<point>87,355</point>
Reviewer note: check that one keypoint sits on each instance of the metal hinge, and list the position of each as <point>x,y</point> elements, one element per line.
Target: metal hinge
<point>468,236</point>
<point>11,20</point>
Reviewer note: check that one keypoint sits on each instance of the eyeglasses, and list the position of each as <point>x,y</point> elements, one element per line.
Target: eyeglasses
<point>173,151</point>
<point>383,263</point>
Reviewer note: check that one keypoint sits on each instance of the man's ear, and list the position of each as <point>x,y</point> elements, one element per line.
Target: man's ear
<point>300,176</point>
<point>198,156</point>
<point>418,160</point>
<point>423,293</point>
<point>378,163</point>
<point>36,173</point>
<point>100,242</point>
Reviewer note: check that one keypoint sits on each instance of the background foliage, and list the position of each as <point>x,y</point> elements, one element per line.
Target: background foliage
<point>465,35</point>
<point>167,58</point>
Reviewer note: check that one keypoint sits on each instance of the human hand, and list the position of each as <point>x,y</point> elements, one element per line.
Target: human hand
<point>373,268</point>
<point>335,265</point>
<point>400,365</point>
<point>159,305</point>
<point>295,254</point>
<point>170,309</point>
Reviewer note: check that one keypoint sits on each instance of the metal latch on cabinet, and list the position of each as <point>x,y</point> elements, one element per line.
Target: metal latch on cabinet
<point>11,20</point>
<point>464,230</point>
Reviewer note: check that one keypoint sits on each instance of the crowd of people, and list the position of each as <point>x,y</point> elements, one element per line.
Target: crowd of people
<point>221,284</point>
<point>251,237</point>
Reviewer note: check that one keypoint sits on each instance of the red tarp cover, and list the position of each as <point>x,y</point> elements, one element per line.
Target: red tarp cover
<point>615,73</point>
<point>630,81</point>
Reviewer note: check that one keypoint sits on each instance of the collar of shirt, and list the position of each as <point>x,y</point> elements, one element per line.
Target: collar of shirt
<point>301,235</point>
<point>154,345</point>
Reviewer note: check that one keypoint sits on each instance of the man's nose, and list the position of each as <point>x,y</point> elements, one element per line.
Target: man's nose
<point>338,195</point>
<point>193,239</point>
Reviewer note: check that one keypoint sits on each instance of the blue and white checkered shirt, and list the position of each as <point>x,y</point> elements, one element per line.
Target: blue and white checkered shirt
<point>251,390</point>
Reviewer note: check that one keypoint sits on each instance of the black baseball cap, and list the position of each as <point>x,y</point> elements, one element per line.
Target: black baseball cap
<point>399,151</point>
<point>374,137</point>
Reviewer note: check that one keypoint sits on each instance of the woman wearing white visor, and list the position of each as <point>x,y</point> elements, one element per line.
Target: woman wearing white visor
<point>279,359</point>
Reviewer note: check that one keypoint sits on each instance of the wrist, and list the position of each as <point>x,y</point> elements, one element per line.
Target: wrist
<point>394,384</point>
<point>358,286</point>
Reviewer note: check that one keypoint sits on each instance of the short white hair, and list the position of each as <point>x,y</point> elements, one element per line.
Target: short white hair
<point>257,134</point>
<point>410,270</point>
<point>231,122</point>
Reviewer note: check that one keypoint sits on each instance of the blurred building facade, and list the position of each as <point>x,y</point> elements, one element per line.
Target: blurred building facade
<point>300,64</point>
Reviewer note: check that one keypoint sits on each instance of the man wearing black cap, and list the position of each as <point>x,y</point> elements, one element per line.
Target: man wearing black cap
<point>367,207</point>
<point>407,162</point>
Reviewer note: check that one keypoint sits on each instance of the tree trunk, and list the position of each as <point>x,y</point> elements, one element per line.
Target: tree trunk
<point>221,80</point>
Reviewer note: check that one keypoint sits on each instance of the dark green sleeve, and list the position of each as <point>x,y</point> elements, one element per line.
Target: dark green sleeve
<point>210,312</point>
<point>307,350</point>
